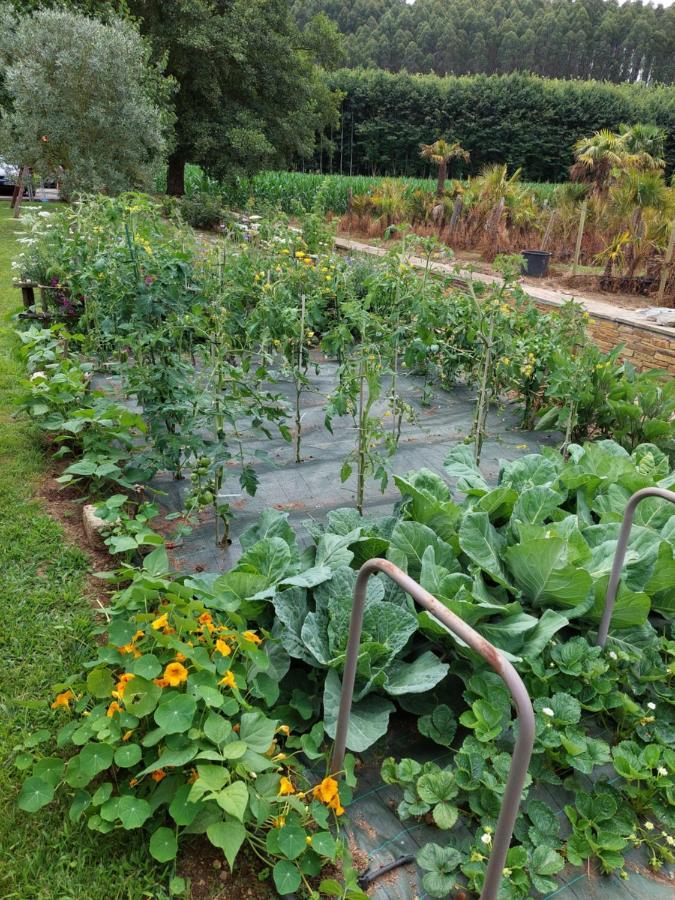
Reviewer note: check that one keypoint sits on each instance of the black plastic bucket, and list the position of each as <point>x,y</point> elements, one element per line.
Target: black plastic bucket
<point>536,262</point>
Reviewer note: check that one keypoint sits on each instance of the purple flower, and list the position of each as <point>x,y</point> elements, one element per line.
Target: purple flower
<point>54,282</point>
<point>149,279</point>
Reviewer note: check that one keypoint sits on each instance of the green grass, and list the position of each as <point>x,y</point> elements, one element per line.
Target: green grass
<point>45,624</point>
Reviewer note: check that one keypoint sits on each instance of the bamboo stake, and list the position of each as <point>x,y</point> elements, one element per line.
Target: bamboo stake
<point>667,259</point>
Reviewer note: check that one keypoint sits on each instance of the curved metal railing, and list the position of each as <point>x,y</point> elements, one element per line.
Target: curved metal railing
<point>620,555</point>
<point>521,699</point>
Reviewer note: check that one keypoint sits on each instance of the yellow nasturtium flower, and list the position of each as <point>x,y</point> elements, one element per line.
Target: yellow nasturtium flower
<point>285,786</point>
<point>161,622</point>
<point>113,708</point>
<point>175,673</point>
<point>251,637</point>
<point>223,647</point>
<point>228,679</point>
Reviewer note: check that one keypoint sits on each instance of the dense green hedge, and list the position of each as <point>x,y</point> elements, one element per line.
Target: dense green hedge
<point>523,120</point>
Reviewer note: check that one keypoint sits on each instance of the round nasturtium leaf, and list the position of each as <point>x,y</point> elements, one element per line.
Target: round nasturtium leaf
<point>100,683</point>
<point>286,877</point>
<point>95,758</point>
<point>292,840</point>
<point>323,843</point>
<point>163,845</point>
<point>35,794</point>
<point>176,714</point>
<point>128,755</point>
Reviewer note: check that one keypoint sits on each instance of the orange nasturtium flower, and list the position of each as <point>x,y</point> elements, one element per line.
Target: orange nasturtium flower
<point>285,786</point>
<point>175,673</point>
<point>130,648</point>
<point>158,774</point>
<point>279,822</point>
<point>180,657</point>
<point>127,735</point>
<point>114,708</point>
<point>63,699</point>
<point>161,622</point>
<point>160,682</point>
<point>228,679</point>
<point>121,685</point>
<point>223,647</point>
<point>251,637</point>
<point>327,792</point>
<point>205,618</point>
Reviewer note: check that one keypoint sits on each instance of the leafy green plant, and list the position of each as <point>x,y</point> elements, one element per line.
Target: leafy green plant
<point>171,734</point>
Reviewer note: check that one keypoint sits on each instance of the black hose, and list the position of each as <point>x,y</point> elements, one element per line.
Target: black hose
<point>371,875</point>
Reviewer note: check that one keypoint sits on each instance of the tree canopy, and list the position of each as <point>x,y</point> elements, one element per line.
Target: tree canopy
<point>250,88</point>
<point>81,98</point>
<point>599,39</point>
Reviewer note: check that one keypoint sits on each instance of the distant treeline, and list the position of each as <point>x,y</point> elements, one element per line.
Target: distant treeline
<point>598,39</point>
<point>522,120</point>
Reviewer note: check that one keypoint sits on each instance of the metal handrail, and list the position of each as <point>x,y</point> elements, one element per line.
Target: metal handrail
<point>620,554</point>
<point>521,699</point>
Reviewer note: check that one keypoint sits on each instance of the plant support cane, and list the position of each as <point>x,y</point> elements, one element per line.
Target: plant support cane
<point>525,741</point>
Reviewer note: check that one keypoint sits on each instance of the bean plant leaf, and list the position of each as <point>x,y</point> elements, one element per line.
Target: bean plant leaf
<point>228,837</point>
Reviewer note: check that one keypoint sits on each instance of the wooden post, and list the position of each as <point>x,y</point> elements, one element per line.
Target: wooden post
<point>547,233</point>
<point>580,235</point>
<point>667,260</point>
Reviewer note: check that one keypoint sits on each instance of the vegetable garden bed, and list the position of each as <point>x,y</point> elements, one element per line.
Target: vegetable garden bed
<point>212,690</point>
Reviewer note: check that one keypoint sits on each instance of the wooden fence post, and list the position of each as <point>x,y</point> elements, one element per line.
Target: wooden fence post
<point>580,235</point>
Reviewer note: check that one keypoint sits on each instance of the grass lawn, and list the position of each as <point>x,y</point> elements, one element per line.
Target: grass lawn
<point>45,620</point>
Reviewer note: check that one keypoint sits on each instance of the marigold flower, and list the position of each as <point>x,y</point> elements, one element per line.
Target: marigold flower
<point>228,679</point>
<point>223,647</point>
<point>127,735</point>
<point>285,786</point>
<point>113,708</point>
<point>160,622</point>
<point>158,774</point>
<point>175,673</point>
<point>251,637</point>
<point>63,699</point>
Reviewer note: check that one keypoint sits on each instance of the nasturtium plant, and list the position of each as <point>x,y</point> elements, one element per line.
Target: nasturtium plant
<point>169,730</point>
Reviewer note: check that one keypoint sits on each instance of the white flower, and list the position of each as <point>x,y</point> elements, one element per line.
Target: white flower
<point>662,770</point>
<point>486,839</point>
<point>651,706</point>
<point>612,655</point>
<point>547,711</point>
<point>36,375</point>
<point>649,826</point>
<point>670,841</point>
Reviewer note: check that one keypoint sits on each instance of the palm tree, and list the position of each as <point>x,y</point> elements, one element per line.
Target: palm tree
<point>440,153</point>
<point>597,157</point>
<point>645,145</point>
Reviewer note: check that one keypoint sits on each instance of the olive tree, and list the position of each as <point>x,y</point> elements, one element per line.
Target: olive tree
<point>82,100</point>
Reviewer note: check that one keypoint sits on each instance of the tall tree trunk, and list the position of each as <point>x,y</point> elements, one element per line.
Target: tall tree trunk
<point>442,175</point>
<point>175,176</point>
